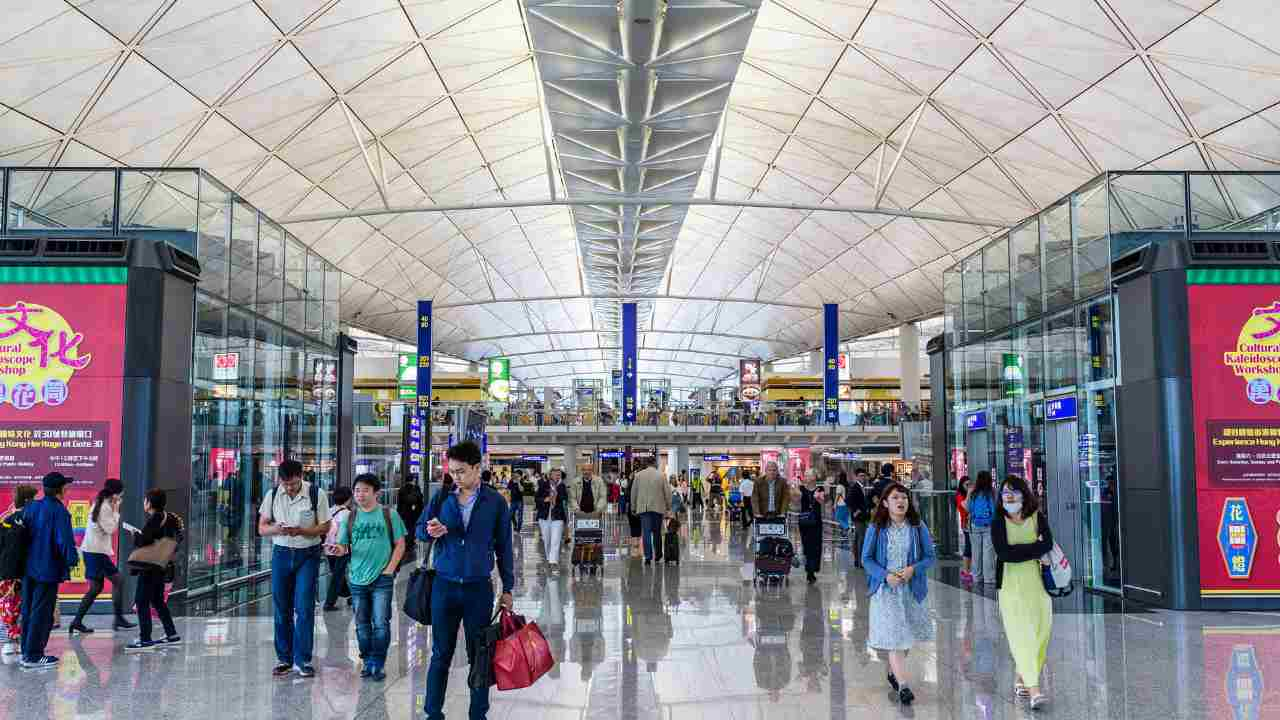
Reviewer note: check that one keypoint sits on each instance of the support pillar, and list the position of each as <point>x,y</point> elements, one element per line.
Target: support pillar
<point>682,459</point>
<point>570,462</point>
<point>909,363</point>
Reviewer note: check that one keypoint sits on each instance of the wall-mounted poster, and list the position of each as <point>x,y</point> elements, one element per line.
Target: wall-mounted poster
<point>61,383</point>
<point>1234,318</point>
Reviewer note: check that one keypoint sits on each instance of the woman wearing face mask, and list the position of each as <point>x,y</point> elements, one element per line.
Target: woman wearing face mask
<point>896,554</point>
<point>1021,536</point>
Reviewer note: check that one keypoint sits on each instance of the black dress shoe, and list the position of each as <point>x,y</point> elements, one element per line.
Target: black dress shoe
<point>905,696</point>
<point>893,682</point>
<point>79,628</point>
<point>122,624</point>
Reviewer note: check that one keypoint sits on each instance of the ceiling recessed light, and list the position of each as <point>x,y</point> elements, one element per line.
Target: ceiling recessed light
<point>642,21</point>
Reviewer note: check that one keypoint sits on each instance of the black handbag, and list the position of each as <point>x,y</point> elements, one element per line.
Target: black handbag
<point>417,596</point>
<point>481,675</point>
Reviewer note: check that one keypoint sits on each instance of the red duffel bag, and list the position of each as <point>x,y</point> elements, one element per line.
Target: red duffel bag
<point>522,654</point>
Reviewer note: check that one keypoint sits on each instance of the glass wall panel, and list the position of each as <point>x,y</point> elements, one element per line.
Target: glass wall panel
<point>270,270</point>
<point>1236,203</point>
<point>292,377</point>
<point>242,552</point>
<point>332,293</point>
<point>1100,479</point>
<point>214,237</point>
<point>995,273</point>
<point>162,200</point>
<point>975,323</point>
<point>1029,344</point>
<point>1059,276</point>
<point>1147,203</point>
<point>1061,363</point>
<point>1097,351</point>
<point>1093,255</point>
<point>63,200</point>
<point>209,519</point>
<point>315,294</point>
<point>244,254</point>
<point>1024,263</point>
<point>295,283</point>
<point>1003,386</point>
<point>952,302</point>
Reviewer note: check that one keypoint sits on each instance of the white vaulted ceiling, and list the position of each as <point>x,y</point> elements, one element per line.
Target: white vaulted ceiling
<point>963,108</point>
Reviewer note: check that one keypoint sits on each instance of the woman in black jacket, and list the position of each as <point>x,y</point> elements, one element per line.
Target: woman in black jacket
<point>409,505</point>
<point>1021,537</point>
<point>151,580</point>
<point>553,512</point>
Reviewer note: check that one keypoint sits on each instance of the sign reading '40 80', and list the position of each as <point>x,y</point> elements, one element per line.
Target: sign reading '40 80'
<point>39,352</point>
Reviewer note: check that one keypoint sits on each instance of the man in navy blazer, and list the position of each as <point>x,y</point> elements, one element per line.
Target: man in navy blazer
<point>471,529</point>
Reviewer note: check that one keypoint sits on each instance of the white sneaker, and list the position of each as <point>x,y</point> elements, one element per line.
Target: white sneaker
<point>10,648</point>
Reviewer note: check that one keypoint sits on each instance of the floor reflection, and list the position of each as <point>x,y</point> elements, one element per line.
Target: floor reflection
<point>694,640</point>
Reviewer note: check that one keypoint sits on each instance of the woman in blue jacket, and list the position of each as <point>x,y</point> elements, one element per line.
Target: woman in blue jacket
<point>897,552</point>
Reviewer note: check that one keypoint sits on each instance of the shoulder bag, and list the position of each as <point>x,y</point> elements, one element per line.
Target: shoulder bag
<point>156,556</point>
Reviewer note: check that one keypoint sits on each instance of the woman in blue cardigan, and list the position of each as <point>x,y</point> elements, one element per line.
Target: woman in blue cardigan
<point>897,552</point>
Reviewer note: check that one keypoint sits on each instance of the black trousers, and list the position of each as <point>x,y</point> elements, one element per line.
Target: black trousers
<point>338,585</point>
<point>811,542</point>
<point>150,594</point>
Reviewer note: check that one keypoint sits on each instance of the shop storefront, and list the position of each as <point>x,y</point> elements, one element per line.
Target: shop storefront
<point>1038,358</point>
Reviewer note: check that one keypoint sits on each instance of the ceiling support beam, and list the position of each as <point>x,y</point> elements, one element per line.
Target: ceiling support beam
<point>686,298</point>
<point>883,185</point>
<point>612,200</point>
<point>379,180</point>
<point>516,336</point>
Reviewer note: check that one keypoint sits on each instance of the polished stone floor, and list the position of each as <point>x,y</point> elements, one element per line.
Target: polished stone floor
<point>692,641</point>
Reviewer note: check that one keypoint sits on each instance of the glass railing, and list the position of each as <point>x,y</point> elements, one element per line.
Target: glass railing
<point>868,415</point>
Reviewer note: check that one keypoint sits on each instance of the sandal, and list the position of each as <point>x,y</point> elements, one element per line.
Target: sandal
<point>1021,690</point>
<point>1039,701</point>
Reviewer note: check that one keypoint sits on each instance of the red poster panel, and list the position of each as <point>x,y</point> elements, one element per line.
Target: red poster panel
<point>1241,665</point>
<point>61,383</point>
<point>1235,373</point>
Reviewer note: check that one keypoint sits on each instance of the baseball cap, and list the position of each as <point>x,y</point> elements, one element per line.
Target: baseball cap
<point>55,480</point>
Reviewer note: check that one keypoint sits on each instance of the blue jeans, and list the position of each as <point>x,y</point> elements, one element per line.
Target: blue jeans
<point>517,515</point>
<point>651,532</point>
<point>293,593</point>
<point>470,604</point>
<point>38,599</point>
<point>373,618</point>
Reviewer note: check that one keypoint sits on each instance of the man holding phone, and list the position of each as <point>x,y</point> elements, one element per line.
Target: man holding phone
<point>471,530</point>
<point>291,516</point>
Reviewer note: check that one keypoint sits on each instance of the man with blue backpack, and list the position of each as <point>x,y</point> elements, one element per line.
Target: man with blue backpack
<point>981,504</point>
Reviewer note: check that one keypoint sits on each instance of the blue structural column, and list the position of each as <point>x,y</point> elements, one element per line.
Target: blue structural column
<point>422,414</point>
<point>831,363</point>
<point>630,364</point>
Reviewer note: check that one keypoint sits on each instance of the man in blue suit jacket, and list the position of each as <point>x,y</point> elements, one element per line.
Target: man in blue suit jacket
<point>49,561</point>
<point>471,529</point>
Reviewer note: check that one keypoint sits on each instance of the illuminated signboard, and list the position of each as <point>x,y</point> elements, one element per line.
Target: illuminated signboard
<point>498,383</point>
<point>976,420</point>
<point>61,382</point>
<point>1063,408</point>
<point>226,367</point>
<point>749,379</point>
<point>1234,329</point>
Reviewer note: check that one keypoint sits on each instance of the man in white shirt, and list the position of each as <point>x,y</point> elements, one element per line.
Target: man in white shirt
<point>745,488</point>
<point>295,516</point>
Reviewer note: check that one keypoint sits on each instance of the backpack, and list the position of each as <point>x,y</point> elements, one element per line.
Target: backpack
<point>981,510</point>
<point>315,504</point>
<point>15,545</point>
<point>587,503</point>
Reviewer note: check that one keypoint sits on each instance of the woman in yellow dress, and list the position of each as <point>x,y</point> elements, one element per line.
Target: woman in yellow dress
<point>1021,536</point>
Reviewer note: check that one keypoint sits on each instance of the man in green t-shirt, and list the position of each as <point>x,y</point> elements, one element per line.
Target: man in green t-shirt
<point>374,537</point>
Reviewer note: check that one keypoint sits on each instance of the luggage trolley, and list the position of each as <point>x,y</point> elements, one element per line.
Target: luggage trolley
<point>774,551</point>
<point>588,544</point>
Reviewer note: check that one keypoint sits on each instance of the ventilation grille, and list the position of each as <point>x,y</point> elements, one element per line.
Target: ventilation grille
<point>86,247</point>
<point>19,245</point>
<point>184,262</point>
<point>1128,264</point>
<point>1230,249</point>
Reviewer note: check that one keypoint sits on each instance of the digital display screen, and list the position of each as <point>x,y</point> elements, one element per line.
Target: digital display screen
<point>62,335</point>
<point>1234,324</point>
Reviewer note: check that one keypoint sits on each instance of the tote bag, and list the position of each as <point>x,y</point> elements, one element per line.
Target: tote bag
<point>1057,574</point>
<point>417,596</point>
<point>522,655</point>
<point>156,556</point>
